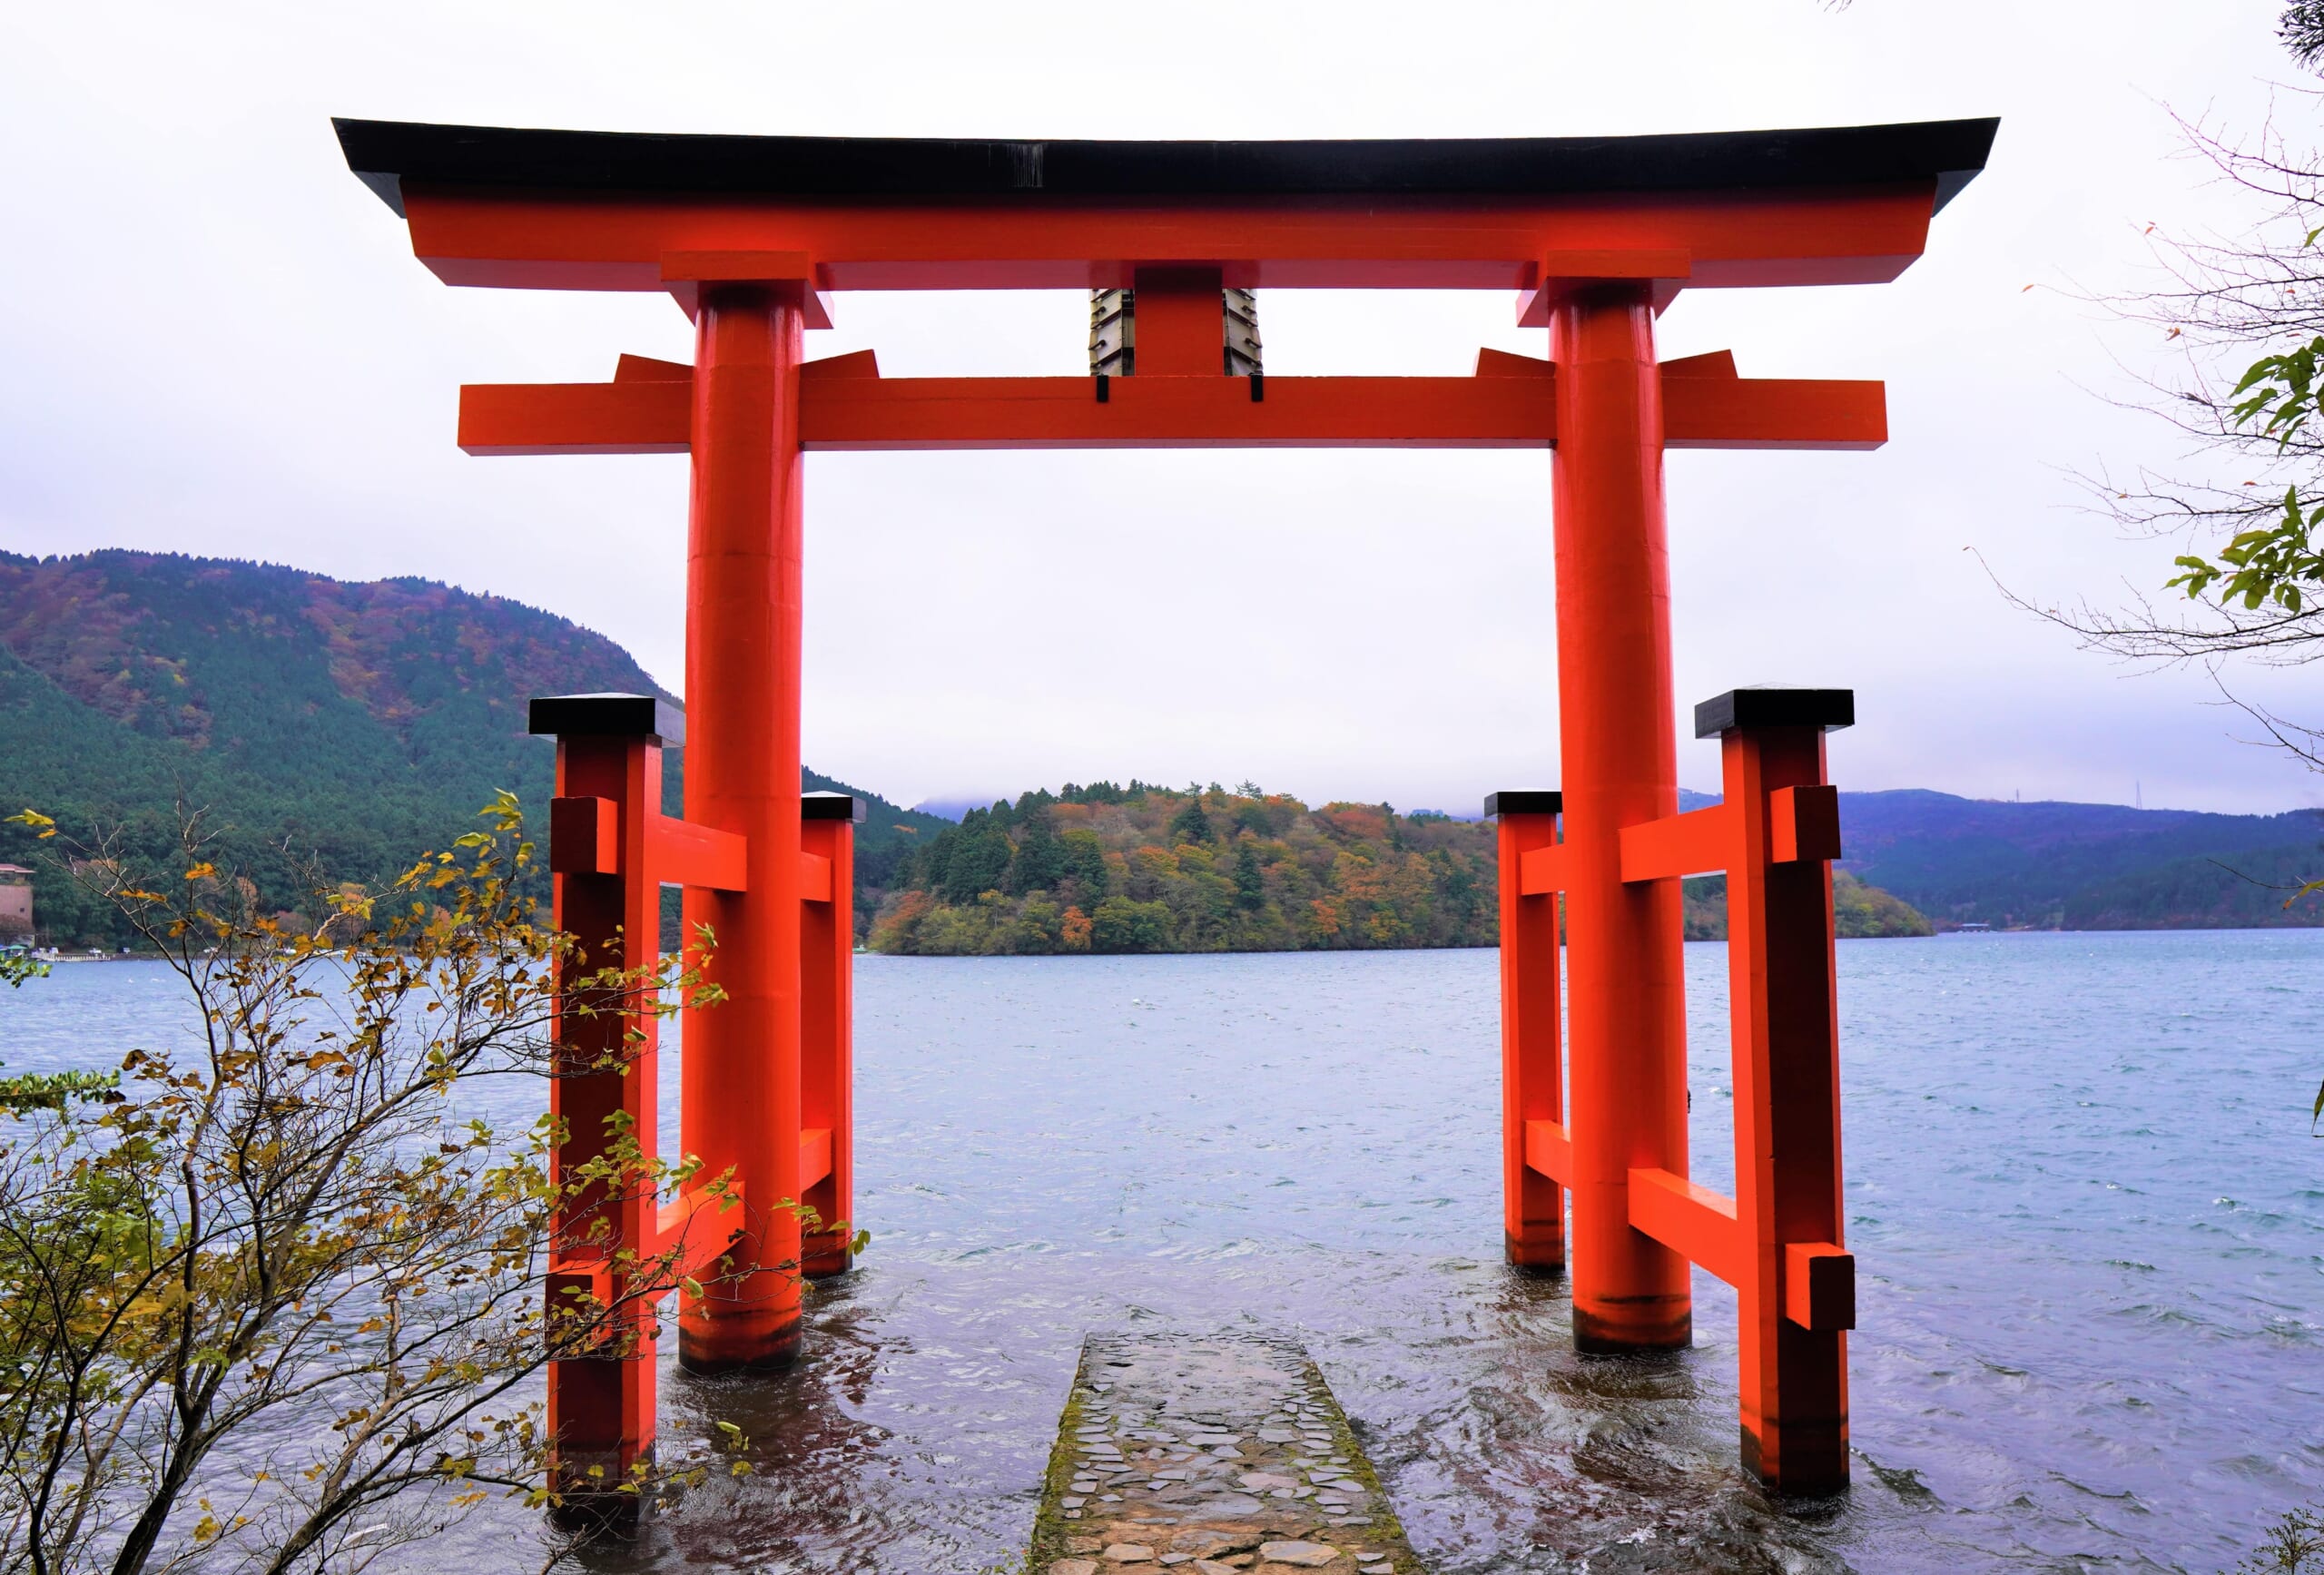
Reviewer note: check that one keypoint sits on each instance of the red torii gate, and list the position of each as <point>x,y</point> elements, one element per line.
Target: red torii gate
<point>1596,236</point>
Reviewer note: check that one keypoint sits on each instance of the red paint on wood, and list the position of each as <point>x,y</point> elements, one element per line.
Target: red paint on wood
<point>1691,1220</point>
<point>1627,1014</point>
<point>1548,1150</point>
<point>1694,843</point>
<point>742,1102</point>
<point>601,1409</point>
<point>1787,1109</point>
<point>826,1047</point>
<point>1533,1075</point>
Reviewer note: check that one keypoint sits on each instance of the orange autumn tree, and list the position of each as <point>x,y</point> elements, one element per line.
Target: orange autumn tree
<point>1148,869</point>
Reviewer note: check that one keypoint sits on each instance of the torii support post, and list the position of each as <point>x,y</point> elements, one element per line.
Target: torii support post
<point>827,1015</point>
<point>1627,1016</point>
<point>741,1079</point>
<point>1535,1145</point>
<point>611,852</point>
<point>1779,1241</point>
<point>610,754</point>
<point>1797,1286</point>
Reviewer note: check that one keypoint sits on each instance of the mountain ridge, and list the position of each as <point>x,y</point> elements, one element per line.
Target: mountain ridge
<point>364,721</point>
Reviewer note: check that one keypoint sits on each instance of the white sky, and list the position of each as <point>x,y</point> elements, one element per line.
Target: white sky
<point>216,341</point>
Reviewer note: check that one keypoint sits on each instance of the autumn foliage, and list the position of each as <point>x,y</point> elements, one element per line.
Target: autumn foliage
<point>1105,869</point>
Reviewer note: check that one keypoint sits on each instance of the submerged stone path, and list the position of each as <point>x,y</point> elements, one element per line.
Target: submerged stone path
<point>1218,1456</point>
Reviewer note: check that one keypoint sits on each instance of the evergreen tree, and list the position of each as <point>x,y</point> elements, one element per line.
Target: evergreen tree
<point>1191,825</point>
<point>1040,860</point>
<point>1083,857</point>
<point>1250,879</point>
<point>979,860</point>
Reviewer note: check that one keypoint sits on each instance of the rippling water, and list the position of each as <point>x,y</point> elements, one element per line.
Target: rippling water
<point>2088,1218</point>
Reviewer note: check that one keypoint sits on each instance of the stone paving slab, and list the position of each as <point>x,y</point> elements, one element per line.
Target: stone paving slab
<point>1223,1455</point>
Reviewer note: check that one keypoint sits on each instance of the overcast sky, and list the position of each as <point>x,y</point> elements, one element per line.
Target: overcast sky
<point>216,341</point>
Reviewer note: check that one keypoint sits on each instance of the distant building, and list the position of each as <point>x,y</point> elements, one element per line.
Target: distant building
<point>16,903</point>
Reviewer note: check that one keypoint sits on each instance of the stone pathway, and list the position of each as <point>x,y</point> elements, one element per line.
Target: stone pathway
<point>1219,1456</point>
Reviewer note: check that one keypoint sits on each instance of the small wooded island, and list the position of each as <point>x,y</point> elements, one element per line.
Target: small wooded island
<point>1111,869</point>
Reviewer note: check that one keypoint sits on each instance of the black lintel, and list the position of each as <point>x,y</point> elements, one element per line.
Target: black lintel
<point>1524,801</point>
<point>385,153</point>
<point>610,715</point>
<point>833,807</point>
<point>1771,705</point>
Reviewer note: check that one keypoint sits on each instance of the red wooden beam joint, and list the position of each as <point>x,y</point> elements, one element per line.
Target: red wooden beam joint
<point>1562,274</point>
<point>791,272</point>
<point>1802,823</point>
<point>1699,841</point>
<point>680,853</point>
<point>1820,1286</point>
<point>580,1288</point>
<point>1548,1150</point>
<point>1540,872</point>
<point>814,1155</point>
<point>814,878</point>
<point>1693,1221</point>
<point>585,838</point>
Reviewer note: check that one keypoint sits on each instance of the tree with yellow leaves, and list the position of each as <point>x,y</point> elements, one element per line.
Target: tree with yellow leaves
<point>276,1300</point>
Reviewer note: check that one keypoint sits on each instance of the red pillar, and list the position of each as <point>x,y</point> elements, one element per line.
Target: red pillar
<point>827,1062</point>
<point>1625,1012</point>
<point>608,780</point>
<point>1796,1293</point>
<point>741,1088</point>
<point>1531,1080</point>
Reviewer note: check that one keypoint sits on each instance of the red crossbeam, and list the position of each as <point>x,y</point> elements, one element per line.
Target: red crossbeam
<point>1803,824</point>
<point>1548,1150</point>
<point>845,405</point>
<point>585,838</point>
<point>1695,843</point>
<point>1693,1221</point>
<point>1540,870</point>
<point>697,1230</point>
<point>512,240</point>
<point>814,1155</point>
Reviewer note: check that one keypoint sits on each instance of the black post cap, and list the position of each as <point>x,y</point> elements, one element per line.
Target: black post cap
<point>833,807</point>
<point>1770,705</point>
<point>614,715</point>
<point>1526,802</point>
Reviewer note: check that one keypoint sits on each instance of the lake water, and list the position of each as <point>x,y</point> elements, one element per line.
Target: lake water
<point>2088,1217</point>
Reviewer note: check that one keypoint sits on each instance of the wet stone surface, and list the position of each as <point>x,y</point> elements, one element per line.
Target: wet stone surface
<point>1218,1456</point>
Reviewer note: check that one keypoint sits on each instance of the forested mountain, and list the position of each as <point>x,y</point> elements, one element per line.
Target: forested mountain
<point>1111,869</point>
<point>358,724</point>
<point>1144,869</point>
<point>2081,866</point>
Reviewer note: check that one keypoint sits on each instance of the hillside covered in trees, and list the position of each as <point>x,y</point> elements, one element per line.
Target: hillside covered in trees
<point>347,727</point>
<point>310,719</point>
<point>1145,869</point>
<point>1108,868</point>
<point>2050,866</point>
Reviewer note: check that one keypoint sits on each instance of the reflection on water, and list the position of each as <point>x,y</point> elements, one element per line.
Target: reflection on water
<point>2084,1202</point>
